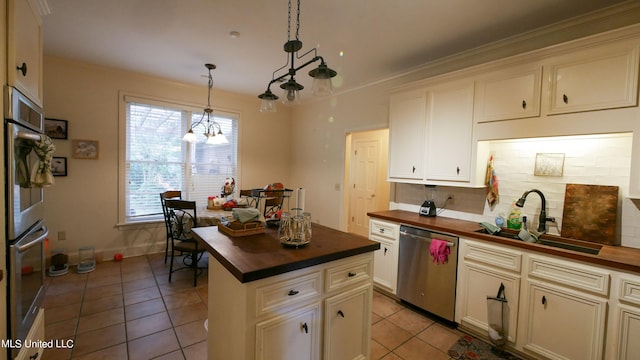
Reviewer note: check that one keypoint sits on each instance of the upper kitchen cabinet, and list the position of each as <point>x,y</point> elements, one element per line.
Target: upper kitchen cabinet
<point>406,135</point>
<point>24,48</point>
<point>604,77</point>
<point>449,131</point>
<point>509,94</point>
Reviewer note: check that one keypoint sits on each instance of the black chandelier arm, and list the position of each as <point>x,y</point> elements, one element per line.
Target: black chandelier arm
<point>199,122</point>
<point>293,71</point>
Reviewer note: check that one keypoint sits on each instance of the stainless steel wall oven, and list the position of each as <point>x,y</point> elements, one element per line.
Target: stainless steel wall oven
<point>25,226</point>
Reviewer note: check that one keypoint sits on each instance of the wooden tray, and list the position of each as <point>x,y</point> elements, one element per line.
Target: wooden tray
<point>235,233</point>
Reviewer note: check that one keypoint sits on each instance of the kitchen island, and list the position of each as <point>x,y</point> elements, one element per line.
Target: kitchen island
<point>267,301</point>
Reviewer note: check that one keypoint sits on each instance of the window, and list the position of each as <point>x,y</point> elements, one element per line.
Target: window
<point>156,159</point>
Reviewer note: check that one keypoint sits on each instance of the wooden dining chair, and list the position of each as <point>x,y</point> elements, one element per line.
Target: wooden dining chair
<point>171,194</point>
<point>182,218</point>
<point>252,198</point>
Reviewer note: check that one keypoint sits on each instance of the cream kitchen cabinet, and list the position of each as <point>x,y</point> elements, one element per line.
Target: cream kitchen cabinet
<point>449,131</point>
<point>626,317</point>
<point>346,323</point>
<point>483,269</point>
<point>603,77</point>
<point>566,309</point>
<point>385,264</point>
<point>311,313</point>
<point>295,335</point>
<point>24,48</point>
<point>509,94</point>
<point>407,126</point>
<point>35,336</point>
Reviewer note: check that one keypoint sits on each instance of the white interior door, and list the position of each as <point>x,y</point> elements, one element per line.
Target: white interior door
<point>367,186</point>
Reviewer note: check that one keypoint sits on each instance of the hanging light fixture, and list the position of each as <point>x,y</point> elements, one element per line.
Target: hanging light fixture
<point>210,125</point>
<point>321,75</point>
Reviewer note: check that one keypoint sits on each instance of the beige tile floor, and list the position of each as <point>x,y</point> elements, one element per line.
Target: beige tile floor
<point>129,310</point>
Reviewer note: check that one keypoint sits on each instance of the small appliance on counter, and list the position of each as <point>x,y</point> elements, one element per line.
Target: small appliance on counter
<point>428,207</point>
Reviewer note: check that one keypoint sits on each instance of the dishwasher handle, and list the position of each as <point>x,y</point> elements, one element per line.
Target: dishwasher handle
<point>450,244</point>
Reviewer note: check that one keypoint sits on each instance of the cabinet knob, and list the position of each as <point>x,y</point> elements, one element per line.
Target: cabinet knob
<point>457,170</point>
<point>305,328</point>
<point>565,98</point>
<point>340,313</point>
<point>381,231</point>
<point>413,170</point>
<point>524,104</point>
<point>544,300</point>
<point>385,251</point>
<point>293,292</point>
<point>351,274</point>
<point>23,69</point>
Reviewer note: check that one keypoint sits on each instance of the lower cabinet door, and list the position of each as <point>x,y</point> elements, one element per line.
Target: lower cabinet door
<point>628,346</point>
<point>565,324</point>
<point>347,322</point>
<point>294,336</point>
<point>478,282</point>
<point>385,264</point>
<point>36,333</point>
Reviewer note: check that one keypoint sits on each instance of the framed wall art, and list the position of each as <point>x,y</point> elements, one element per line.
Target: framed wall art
<point>56,128</point>
<point>59,166</point>
<point>549,164</point>
<point>86,149</point>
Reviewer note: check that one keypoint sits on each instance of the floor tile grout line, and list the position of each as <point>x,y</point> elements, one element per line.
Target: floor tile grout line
<point>173,327</point>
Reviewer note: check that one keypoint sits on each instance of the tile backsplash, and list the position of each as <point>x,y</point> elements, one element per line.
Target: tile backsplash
<point>593,159</point>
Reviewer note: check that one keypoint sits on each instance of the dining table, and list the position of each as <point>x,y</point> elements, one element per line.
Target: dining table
<point>211,217</point>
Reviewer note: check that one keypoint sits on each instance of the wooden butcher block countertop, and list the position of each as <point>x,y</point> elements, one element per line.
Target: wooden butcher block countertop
<point>260,256</point>
<point>618,257</point>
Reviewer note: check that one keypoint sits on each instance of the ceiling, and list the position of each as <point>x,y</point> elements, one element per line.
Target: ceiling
<point>377,38</point>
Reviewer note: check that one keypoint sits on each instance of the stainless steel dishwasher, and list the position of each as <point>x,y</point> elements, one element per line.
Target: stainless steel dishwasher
<point>422,282</point>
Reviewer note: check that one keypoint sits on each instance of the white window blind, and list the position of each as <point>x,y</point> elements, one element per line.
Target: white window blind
<point>158,160</point>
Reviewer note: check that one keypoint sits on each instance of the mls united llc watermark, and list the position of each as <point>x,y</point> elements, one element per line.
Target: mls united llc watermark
<point>48,344</point>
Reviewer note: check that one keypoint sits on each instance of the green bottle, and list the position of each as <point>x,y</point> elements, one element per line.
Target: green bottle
<point>514,221</point>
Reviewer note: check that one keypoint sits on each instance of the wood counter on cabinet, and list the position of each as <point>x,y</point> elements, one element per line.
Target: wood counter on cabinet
<point>267,301</point>
<point>617,257</point>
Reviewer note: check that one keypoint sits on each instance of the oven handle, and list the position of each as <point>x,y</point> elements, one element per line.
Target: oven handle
<point>34,242</point>
<point>26,135</point>
<point>428,240</point>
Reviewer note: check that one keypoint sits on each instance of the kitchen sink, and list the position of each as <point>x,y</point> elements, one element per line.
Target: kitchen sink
<point>552,240</point>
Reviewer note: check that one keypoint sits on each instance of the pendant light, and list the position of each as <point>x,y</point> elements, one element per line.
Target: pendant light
<point>210,125</point>
<point>321,75</point>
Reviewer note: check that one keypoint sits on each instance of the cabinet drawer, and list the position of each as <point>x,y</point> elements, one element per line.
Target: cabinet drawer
<point>349,274</point>
<point>384,229</point>
<point>572,274</point>
<point>275,296</point>
<point>495,256</point>
<point>630,290</point>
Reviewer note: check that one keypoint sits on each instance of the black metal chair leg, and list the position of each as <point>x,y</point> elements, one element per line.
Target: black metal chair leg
<point>171,265</point>
<point>195,269</point>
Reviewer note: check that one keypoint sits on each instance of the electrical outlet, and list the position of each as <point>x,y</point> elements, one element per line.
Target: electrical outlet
<point>62,235</point>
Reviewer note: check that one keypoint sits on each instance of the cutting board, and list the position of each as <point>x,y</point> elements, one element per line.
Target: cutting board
<point>590,213</point>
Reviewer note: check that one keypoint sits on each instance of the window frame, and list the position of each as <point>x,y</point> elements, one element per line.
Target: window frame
<point>124,99</point>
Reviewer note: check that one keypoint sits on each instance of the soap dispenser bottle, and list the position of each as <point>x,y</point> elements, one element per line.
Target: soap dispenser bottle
<point>514,221</point>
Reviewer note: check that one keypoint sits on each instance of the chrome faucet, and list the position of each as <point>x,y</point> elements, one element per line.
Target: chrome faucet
<point>542,228</point>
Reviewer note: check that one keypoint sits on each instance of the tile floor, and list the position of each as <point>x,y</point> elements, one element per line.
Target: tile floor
<point>129,310</point>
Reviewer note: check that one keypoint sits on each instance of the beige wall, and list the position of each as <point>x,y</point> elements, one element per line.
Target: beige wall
<point>84,204</point>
